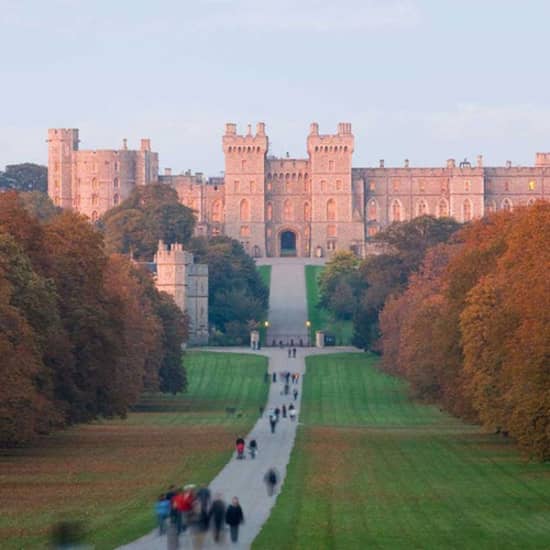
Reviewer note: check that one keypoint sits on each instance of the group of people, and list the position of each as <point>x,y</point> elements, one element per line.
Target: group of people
<point>240,445</point>
<point>192,509</point>
<point>276,413</point>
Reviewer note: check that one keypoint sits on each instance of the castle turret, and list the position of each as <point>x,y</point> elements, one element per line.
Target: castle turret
<point>187,283</point>
<point>245,186</point>
<point>62,144</point>
<point>334,204</point>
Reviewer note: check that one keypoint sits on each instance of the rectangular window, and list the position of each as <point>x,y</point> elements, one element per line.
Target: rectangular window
<point>331,230</point>
<point>236,186</point>
<point>467,186</point>
<point>372,186</point>
<point>331,166</point>
<point>245,231</point>
<point>395,185</point>
<point>243,165</point>
<point>421,186</point>
<point>331,245</point>
<point>338,185</point>
<point>532,185</point>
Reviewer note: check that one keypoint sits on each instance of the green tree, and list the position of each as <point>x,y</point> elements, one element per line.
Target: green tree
<point>151,213</point>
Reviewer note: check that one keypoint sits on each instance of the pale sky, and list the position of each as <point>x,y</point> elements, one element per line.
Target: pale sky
<point>420,79</point>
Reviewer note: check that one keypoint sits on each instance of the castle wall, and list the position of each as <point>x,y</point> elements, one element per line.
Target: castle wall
<point>322,200</point>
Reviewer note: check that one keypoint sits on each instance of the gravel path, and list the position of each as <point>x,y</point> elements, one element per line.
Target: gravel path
<point>244,478</point>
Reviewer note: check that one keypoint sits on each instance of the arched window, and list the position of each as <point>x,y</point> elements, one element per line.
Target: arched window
<point>372,211</point>
<point>269,212</point>
<point>395,211</point>
<point>443,208</point>
<point>306,186</point>
<point>507,205</point>
<point>94,216</point>
<point>288,211</point>
<point>115,183</point>
<point>94,183</point>
<point>421,208</point>
<point>116,199</point>
<point>94,200</point>
<point>245,211</point>
<point>217,211</point>
<point>467,211</point>
<point>331,210</point>
<point>307,212</point>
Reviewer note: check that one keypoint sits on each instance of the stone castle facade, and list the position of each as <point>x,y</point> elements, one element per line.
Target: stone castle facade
<point>290,206</point>
<point>187,283</point>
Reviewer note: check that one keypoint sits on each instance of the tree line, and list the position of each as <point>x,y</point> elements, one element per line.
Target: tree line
<point>237,296</point>
<point>468,325</point>
<point>82,332</point>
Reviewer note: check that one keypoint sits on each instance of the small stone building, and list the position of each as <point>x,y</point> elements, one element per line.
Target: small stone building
<point>187,282</point>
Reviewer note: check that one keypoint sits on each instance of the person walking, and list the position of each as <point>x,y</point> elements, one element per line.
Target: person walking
<point>274,377</point>
<point>284,411</point>
<point>234,517</point>
<point>162,510</point>
<point>271,479</point>
<point>295,393</point>
<point>292,412</point>
<point>272,422</point>
<point>217,515</point>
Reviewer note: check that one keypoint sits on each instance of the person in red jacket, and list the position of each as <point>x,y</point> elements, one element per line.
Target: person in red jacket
<point>239,444</point>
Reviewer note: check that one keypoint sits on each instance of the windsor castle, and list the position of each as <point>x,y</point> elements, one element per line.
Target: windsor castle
<point>293,206</point>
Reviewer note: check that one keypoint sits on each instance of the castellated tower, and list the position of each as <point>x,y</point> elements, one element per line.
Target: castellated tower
<point>187,283</point>
<point>62,146</point>
<point>245,186</point>
<point>93,181</point>
<point>336,221</point>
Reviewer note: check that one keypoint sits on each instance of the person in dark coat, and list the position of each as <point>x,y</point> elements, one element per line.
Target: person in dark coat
<point>217,515</point>
<point>234,517</point>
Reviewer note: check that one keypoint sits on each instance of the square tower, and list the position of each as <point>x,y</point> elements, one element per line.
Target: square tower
<point>245,187</point>
<point>62,144</point>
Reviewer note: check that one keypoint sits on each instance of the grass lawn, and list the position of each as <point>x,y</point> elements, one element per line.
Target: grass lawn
<point>320,318</point>
<point>109,473</point>
<point>371,469</point>
<point>265,275</point>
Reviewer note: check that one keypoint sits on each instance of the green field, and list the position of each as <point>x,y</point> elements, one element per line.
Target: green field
<point>109,473</point>
<point>265,275</point>
<point>320,318</point>
<point>371,469</point>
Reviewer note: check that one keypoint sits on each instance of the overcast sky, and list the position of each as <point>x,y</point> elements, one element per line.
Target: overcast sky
<point>420,79</point>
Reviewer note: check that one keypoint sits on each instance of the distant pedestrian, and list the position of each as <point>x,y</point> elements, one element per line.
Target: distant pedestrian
<point>289,353</point>
<point>292,412</point>
<point>271,479</point>
<point>295,393</point>
<point>274,377</point>
<point>294,353</point>
<point>287,377</point>
<point>284,411</point>
<point>162,511</point>
<point>217,515</point>
<point>287,389</point>
<point>261,411</point>
<point>234,517</point>
<point>277,413</point>
<point>272,422</point>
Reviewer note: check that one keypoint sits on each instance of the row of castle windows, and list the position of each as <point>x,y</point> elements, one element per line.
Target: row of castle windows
<point>243,149</point>
<point>328,148</point>
<point>323,187</point>
<point>531,185</point>
<point>286,175</point>
<point>288,211</point>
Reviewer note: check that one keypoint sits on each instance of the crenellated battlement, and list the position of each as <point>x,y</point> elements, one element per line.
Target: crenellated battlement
<point>245,144</point>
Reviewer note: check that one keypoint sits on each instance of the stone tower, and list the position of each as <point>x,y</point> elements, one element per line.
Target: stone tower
<point>245,186</point>
<point>62,144</point>
<point>334,224</point>
<point>187,283</point>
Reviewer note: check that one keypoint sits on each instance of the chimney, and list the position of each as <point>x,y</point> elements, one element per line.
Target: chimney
<point>168,171</point>
<point>406,163</point>
<point>451,163</point>
<point>381,163</point>
<point>480,161</point>
<point>260,129</point>
<point>508,164</point>
<point>314,129</point>
<point>230,129</point>
<point>249,130</point>
<point>145,144</point>
<point>125,144</point>
<point>344,128</point>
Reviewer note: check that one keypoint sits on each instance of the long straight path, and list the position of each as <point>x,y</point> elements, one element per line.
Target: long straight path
<point>244,478</point>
